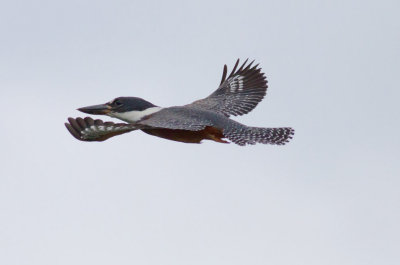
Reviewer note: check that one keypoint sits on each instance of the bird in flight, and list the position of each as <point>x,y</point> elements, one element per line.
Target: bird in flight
<point>204,119</point>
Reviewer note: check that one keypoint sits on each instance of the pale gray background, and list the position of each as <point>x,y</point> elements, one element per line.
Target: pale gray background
<point>331,196</point>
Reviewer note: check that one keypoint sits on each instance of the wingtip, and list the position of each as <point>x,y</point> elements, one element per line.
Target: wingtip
<point>234,68</point>
<point>72,131</point>
<point>225,70</point>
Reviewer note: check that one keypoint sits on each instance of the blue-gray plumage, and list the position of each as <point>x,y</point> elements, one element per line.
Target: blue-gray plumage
<point>208,118</point>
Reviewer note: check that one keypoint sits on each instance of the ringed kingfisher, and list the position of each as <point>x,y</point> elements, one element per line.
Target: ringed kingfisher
<point>204,119</point>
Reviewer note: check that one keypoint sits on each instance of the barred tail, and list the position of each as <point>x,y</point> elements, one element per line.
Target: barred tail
<point>253,135</point>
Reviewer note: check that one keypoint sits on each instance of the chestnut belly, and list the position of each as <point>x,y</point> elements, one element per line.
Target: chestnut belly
<point>186,136</point>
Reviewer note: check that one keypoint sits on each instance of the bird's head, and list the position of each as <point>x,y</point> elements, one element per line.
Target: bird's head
<point>129,109</point>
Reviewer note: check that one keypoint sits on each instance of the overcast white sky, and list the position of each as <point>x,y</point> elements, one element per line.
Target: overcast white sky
<point>331,196</point>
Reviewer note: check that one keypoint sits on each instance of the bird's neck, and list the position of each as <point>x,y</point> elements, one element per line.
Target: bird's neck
<point>135,115</point>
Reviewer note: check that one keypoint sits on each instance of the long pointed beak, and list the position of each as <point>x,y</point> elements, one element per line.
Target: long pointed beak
<point>101,109</point>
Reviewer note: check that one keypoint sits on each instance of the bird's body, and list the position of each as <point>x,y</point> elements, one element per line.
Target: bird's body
<point>207,126</point>
<point>205,119</point>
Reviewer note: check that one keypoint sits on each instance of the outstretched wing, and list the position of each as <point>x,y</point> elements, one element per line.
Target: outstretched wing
<point>239,93</point>
<point>90,130</point>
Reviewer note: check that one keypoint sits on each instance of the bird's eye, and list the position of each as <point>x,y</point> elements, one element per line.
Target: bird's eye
<point>117,103</point>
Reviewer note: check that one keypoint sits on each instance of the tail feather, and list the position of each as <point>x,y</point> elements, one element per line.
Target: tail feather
<point>253,135</point>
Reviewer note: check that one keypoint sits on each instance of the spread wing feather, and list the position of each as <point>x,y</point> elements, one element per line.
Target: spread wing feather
<point>239,93</point>
<point>90,130</point>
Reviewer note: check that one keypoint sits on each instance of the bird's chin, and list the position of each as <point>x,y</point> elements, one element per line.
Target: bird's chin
<point>102,109</point>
